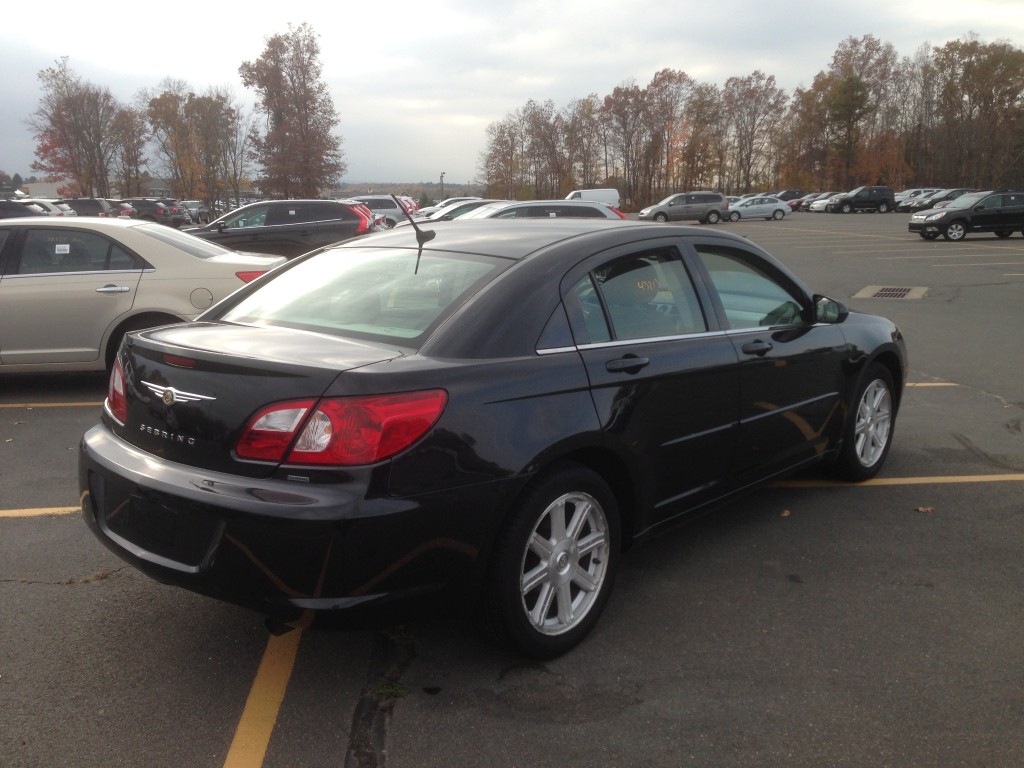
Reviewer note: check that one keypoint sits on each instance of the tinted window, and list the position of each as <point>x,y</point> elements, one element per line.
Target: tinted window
<point>254,216</point>
<point>750,297</point>
<point>70,250</point>
<point>646,295</point>
<point>393,296</point>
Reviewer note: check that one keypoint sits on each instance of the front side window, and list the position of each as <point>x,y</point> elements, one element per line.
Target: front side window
<point>393,296</point>
<point>751,297</point>
<point>256,216</point>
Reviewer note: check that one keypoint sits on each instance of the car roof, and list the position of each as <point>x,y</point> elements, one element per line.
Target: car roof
<point>81,222</point>
<point>518,238</point>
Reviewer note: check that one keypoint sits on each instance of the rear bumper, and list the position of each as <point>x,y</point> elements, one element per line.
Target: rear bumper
<point>283,547</point>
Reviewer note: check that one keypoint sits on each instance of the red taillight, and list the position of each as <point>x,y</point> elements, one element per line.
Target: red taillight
<point>619,213</point>
<point>344,431</point>
<point>116,402</point>
<point>248,277</point>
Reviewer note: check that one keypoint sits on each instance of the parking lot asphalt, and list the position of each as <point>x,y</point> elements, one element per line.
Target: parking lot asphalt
<point>809,624</point>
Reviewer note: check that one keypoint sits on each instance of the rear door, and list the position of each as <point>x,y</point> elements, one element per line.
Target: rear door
<point>61,293</point>
<point>664,383</point>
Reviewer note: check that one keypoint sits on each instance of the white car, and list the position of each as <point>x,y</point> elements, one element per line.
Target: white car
<point>818,206</point>
<point>71,288</point>
<point>545,209</point>
<point>51,207</point>
<point>758,208</point>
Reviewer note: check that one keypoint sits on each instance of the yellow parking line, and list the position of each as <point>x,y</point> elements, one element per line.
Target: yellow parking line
<point>891,481</point>
<point>933,384</point>
<point>249,746</point>
<point>41,512</point>
<point>51,405</point>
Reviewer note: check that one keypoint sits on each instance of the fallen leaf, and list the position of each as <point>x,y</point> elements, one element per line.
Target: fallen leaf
<point>925,509</point>
<point>785,513</point>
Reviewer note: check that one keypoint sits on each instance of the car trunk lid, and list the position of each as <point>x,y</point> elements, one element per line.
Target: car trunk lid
<point>190,389</point>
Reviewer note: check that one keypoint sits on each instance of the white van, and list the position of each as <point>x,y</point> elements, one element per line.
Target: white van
<point>607,196</point>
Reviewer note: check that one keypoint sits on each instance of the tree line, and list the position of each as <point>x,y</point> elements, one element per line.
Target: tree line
<point>949,115</point>
<point>206,144</point>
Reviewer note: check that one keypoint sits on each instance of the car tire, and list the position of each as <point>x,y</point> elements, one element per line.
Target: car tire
<point>846,208</point>
<point>734,216</point>
<point>929,235</point>
<point>955,231</point>
<point>1004,233</point>
<point>713,217</point>
<point>778,215</point>
<point>660,217</point>
<point>554,563</point>
<point>883,207</point>
<point>869,430</point>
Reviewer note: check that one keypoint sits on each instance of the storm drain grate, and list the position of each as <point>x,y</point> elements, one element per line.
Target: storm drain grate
<point>890,292</point>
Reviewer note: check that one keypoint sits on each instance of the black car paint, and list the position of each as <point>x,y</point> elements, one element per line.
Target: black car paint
<point>524,394</point>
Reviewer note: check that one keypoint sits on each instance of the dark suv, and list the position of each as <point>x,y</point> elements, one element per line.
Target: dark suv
<point>285,227</point>
<point>881,199</point>
<point>705,207</point>
<point>1000,212</point>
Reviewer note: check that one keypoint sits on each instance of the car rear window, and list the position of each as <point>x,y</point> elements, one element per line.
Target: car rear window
<point>390,295</point>
<point>192,245</point>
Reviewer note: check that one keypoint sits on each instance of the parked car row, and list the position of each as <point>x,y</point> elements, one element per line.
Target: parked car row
<point>1000,212</point>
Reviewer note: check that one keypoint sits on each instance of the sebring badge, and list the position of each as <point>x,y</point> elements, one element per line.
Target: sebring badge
<point>170,395</point>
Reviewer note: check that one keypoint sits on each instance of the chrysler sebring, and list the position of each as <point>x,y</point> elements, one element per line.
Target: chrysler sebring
<point>486,415</point>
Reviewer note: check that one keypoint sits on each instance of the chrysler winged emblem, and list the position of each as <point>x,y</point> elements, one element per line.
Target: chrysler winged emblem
<point>170,395</point>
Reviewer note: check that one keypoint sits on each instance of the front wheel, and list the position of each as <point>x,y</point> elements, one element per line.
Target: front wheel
<point>846,208</point>
<point>734,216</point>
<point>554,563</point>
<point>870,426</point>
<point>955,231</point>
<point>1004,233</point>
<point>929,235</point>
<point>660,217</point>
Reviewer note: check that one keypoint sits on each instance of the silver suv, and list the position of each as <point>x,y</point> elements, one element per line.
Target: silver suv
<point>705,207</point>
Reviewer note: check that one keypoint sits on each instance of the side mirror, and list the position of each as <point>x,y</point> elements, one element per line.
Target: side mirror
<point>828,310</point>
<point>221,226</point>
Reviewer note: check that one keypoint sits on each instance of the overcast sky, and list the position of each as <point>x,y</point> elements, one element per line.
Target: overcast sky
<point>417,84</point>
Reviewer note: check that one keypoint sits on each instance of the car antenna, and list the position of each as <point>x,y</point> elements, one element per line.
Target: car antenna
<point>422,235</point>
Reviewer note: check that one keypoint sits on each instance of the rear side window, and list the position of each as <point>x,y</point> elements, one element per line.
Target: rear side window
<point>394,296</point>
<point>68,250</point>
<point>645,295</point>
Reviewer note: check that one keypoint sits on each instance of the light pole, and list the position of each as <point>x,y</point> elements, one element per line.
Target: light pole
<point>442,186</point>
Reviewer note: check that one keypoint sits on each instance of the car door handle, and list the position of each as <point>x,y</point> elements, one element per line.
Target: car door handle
<point>759,348</point>
<point>629,364</point>
<point>113,289</point>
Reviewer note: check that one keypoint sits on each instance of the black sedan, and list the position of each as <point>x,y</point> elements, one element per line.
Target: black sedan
<point>487,414</point>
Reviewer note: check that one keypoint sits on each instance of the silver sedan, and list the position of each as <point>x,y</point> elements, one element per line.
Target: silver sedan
<point>71,288</point>
<point>758,208</point>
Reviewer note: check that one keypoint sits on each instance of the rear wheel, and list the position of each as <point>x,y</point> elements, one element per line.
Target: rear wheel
<point>554,563</point>
<point>869,431</point>
<point>713,217</point>
<point>883,207</point>
<point>777,215</point>
<point>1004,233</point>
